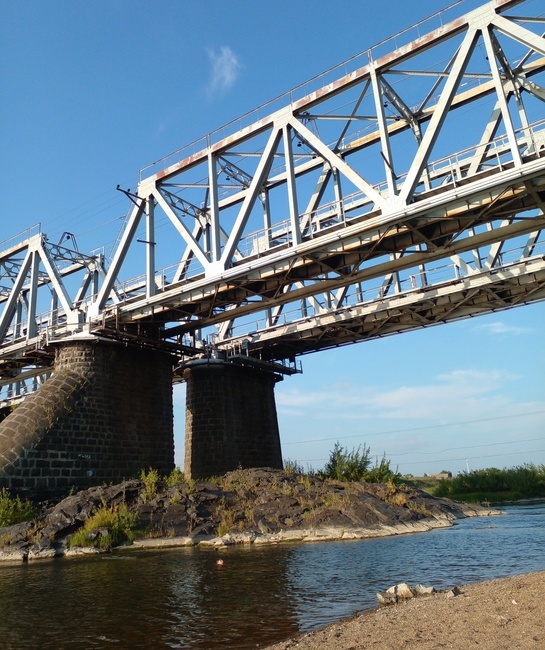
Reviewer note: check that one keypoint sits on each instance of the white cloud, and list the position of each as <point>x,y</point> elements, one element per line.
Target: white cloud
<point>435,424</point>
<point>467,393</point>
<point>225,67</point>
<point>497,327</point>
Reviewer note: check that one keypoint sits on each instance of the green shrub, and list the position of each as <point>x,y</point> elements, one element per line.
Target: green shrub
<point>344,465</point>
<point>150,479</point>
<point>119,522</point>
<point>227,517</point>
<point>175,477</point>
<point>383,473</point>
<point>13,510</point>
<point>355,465</point>
<point>293,467</point>
<point>522,482</point>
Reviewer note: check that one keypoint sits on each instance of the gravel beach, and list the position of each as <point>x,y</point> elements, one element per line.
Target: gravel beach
<point>506,613</point>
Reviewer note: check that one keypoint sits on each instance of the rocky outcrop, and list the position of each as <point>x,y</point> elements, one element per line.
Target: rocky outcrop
<point>244,506</point>
<point>403,591</point>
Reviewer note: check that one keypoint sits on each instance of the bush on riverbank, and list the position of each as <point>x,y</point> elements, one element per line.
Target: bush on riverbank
<point>355,465</point>
<point>14,510</point>
<point>492,484</point>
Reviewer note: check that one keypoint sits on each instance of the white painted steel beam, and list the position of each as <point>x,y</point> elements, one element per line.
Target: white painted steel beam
<point>439,116</point>
<point>128,235</point>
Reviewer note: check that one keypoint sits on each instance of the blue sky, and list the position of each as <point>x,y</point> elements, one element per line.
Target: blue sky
<point>94,91</point>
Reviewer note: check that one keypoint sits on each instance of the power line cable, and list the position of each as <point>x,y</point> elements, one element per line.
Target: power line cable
<point>431,426</point>
<point>492,444</point>
<point>441,460</point>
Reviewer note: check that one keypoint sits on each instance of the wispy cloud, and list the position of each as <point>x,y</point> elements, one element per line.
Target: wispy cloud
<point>225,67</point>
<point>440,420</point>
<point>497,327</point>
<point>470,393</point>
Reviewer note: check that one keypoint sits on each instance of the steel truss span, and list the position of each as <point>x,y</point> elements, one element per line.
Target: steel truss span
<point>401,189</point>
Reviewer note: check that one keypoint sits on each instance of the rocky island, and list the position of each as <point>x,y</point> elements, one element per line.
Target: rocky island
<point>252,506</point>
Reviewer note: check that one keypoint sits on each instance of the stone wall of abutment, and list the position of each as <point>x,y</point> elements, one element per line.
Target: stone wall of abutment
<point>105,414</point>
<point>231,419</point>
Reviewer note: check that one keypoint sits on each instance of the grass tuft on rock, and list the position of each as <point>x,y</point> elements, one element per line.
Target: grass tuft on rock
<point>14,510</point>
<point>109,526</point>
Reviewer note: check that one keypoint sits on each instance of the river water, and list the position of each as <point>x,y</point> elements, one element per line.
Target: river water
<point>181,598</point>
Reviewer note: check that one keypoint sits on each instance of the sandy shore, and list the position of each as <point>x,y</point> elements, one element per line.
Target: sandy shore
<point>507,613</point>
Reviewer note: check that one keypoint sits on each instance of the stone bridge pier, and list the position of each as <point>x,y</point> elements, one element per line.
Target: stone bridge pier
<point>104,414</point>
<point>231,418</point>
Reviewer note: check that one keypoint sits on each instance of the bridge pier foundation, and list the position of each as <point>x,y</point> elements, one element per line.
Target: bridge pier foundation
<point>231,419</point>
<point>104,415</point>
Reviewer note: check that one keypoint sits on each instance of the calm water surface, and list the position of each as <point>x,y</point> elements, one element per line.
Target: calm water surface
<point>181,599</point>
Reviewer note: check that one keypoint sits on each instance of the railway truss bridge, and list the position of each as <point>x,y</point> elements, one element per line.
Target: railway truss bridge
<point>403,188</point>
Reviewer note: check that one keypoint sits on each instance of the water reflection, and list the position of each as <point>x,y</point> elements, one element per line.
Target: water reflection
<point>182,599</point>
<point>245,599</point>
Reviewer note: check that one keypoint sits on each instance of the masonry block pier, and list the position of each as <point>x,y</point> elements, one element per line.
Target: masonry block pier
<point>105,413</point>
<point>231,418</point>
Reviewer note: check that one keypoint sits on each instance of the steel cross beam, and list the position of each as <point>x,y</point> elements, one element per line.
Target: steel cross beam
<point>381,196</point>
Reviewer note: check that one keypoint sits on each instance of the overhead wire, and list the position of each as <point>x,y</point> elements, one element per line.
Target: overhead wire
<point>442,460</point>
<point>423,428</point>
<point>437,453</point>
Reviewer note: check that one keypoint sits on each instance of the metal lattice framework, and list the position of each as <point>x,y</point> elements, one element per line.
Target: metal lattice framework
<point>402,189</point>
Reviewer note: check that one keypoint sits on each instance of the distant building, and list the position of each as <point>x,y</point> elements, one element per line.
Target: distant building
<point>442,475</point>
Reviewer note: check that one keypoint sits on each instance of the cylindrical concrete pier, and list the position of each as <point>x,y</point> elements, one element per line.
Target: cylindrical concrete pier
<point>231,419</point>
